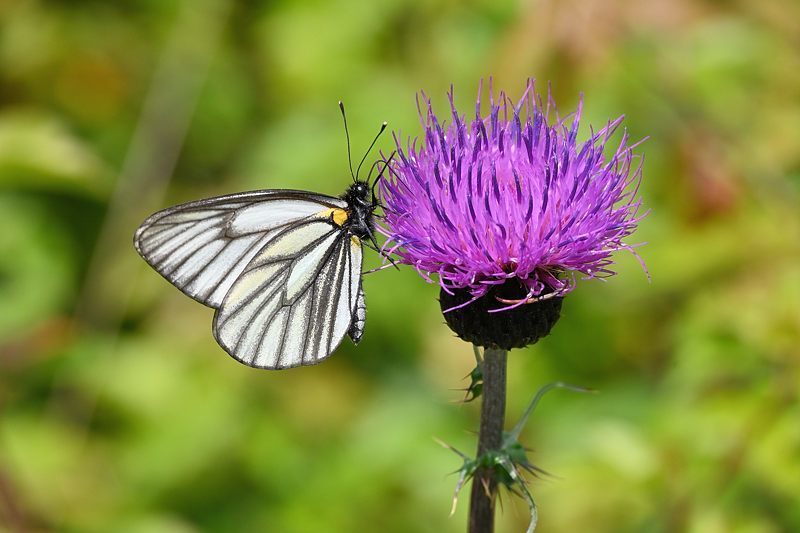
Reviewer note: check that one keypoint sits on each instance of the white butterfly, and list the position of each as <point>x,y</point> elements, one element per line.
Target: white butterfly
<point>282,268</point>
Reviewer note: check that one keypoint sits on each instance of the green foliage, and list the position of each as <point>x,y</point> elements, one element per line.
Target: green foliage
<point>118,412</point>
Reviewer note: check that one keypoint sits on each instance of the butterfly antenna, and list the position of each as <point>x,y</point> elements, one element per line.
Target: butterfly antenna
<point>383,127</point>
<point>347,135</point>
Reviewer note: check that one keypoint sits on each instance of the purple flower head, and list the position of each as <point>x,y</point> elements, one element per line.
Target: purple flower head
<point>510,195</point>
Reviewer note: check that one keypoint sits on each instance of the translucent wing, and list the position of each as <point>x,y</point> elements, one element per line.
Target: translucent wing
<point>296,299</point>
<point>203,247</point>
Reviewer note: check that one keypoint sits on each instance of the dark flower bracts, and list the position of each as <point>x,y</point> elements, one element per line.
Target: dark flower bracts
<point>511,207</point>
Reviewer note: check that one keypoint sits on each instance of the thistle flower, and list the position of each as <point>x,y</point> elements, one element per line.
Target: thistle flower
<point>507,210</point>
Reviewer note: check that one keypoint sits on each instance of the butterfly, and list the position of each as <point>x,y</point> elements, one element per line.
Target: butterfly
<point>282,268</point>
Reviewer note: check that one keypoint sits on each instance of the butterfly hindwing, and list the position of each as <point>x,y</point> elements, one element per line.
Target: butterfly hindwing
<point>295,300</point>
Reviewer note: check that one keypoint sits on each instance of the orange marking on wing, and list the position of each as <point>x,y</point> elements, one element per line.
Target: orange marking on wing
<point>339,216</point>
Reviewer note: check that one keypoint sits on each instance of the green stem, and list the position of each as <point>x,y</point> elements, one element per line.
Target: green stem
<point>490,438</point>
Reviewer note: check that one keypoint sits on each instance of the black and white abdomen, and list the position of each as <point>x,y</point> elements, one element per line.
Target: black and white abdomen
<point>359,318</point>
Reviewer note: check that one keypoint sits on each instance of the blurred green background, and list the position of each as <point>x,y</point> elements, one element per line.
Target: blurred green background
<point>118,412</point>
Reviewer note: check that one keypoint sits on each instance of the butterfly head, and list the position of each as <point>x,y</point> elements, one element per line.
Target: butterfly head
<point>359,195</point>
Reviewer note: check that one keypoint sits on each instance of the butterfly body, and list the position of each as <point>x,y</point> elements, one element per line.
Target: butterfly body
<point>282,268</point>
<point>360,221</point>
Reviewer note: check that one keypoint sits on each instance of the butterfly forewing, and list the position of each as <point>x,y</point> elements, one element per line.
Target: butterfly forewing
<point>202,247</point>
